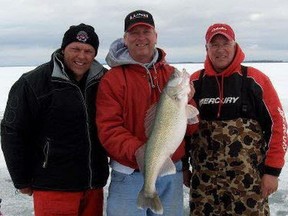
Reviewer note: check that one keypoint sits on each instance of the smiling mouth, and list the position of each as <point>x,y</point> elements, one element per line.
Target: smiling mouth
<point>141,45</point>
<point>79,63</point>
<point>221,57</point>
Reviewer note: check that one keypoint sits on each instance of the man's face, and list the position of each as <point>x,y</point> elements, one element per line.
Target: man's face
<point>141,41</point>
<point>221,52</point>
<point>78,57</point>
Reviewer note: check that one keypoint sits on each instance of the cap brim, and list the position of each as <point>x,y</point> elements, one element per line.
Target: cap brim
<point>139,23</point>
<point>221,33</point>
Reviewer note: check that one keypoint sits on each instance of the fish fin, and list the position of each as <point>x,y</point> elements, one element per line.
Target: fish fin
<point>192,113</point>
<point>139,154</point>
<point>149,119</point>
<point>167,168</point>
<point>150,201</point>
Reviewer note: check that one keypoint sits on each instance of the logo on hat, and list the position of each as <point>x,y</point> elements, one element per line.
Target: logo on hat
<point>139,17</point>
<point>219,28</point>
<point>80,33</point>
<point>82,36</point>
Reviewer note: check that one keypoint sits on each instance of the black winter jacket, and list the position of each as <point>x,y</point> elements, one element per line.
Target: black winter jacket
<point>48,133</point>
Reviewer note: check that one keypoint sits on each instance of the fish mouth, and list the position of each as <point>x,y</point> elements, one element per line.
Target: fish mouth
<point>175,82</point>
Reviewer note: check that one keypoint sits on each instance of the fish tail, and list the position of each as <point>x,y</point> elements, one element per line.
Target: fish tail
<point>151,201</point>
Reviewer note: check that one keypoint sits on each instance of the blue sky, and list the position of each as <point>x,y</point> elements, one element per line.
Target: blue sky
<point>31,29</point>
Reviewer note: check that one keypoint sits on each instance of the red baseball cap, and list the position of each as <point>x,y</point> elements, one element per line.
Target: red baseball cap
<point>219,28</point>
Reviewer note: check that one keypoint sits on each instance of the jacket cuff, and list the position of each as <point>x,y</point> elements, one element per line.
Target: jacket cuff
<point>272,171</point>
<point>185,163</point>
<point>21,186</point>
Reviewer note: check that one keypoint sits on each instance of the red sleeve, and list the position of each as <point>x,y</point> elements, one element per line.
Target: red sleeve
<point>116,139</point>
<point>277,145</point>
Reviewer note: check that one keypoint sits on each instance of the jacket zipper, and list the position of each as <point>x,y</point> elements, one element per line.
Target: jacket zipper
<point>87,126</point>
<point>88,134</point>
<point>46,150</point>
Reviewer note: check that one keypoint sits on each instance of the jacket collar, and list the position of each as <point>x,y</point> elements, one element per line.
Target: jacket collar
<point>95,72</point>
<point>119,55</point>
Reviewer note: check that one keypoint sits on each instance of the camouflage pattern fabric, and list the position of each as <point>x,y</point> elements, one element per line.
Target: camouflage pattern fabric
<point>226,158</point>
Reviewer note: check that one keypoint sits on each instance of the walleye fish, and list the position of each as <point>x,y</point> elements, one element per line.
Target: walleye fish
<point>167,132</point>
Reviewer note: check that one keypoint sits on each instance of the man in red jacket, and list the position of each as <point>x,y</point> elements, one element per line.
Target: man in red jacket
<point>238,153</point>
<point>134,83</point>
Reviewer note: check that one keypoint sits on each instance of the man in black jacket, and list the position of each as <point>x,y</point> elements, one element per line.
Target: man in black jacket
<point>48,133</point>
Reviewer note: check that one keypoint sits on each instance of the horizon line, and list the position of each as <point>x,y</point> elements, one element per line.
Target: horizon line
<point>171,62</point>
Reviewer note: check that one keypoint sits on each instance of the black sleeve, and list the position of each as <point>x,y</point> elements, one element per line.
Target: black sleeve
<point>16,133</point>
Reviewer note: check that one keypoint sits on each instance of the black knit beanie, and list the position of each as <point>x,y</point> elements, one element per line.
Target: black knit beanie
<point>81,33</point>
